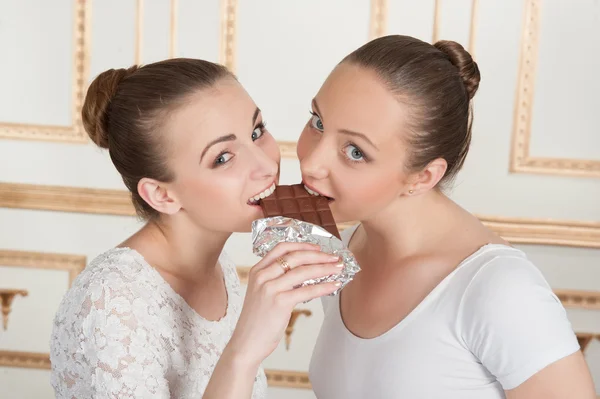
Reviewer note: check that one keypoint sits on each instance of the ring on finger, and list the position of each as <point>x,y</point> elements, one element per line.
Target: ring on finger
<point>284,265</point>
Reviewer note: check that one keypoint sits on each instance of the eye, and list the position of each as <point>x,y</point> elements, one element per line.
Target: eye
<point>315,122</point>
<point>223,158</point>
<point>258,131</point>
<point>354,153</point>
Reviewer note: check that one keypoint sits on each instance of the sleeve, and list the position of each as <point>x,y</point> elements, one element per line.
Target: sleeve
<point>513,322</point>
<point>117,353</point>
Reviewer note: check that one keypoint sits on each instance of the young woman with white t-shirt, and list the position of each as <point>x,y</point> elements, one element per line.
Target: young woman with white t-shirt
<point>443,307</point>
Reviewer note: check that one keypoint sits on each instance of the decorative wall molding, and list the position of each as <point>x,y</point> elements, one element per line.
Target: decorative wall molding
<point>288,379</point>
<point>229,15</point>
<point>73,264</point>
<point>139,31</point>
<point>275,378</point>
<point>539,231</point>
<point>66,199</point>
<point>473,27</point>
<point>29,360</point>
<point>81,61</point>
<point>545,231</point>
<point>243,273</point>
<point>521,161</point>
<point>75,133</point>
<point>585,339</point>
<point>117,202</point>
<point>7,296</point>
<point>228,38</point>
<point>570,298</point>
<point>288,149</point>
<point>290,327</point>
<point>437,11</point>
<point>378,23</point>
<point>579,299</point>
<point>174,9</point>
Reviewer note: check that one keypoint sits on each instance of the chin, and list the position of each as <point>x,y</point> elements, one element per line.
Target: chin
<point>339,215</point>
<point>243,227</point>
<point>246,219</point>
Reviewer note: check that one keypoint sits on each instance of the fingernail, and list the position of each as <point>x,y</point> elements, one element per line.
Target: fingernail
<point>337,284</point>
<point>334,257</point>
<point>340,265</point>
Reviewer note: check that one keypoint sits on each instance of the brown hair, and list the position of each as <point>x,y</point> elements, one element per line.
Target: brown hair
<point>125,109</point>
<point>438,82</point>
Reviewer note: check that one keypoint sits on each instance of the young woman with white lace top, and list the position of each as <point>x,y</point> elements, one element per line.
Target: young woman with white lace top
<point>161,314</point>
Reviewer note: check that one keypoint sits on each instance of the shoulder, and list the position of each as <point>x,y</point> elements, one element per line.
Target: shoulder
<point>508,303</point>
<point>511,320</point>
<point>116,281</point>
<point>503,273</point>
<point>118,269</point>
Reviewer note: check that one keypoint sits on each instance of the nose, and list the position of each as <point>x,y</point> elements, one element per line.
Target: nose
<point>314,162</point>
<point>264,167</point>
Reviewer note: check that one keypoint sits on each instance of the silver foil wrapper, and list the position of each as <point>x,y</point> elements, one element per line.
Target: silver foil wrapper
<point>268,232</point>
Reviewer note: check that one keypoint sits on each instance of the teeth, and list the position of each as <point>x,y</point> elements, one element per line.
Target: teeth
<point>311,192</point>
<point>262,195</point>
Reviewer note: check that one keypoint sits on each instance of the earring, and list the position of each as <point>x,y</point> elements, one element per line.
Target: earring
<point>410,191</point>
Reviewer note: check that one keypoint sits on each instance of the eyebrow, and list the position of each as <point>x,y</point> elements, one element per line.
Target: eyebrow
<point>357,134</point>
<point>229,137</point>
<point>315,106</point>
<point>345,131</point>
<point>256,112</point>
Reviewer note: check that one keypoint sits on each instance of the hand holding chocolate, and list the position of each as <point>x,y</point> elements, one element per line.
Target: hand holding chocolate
<point>294,215</point>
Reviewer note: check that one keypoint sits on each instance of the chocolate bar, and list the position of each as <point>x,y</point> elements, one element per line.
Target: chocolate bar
<point>297,203</point>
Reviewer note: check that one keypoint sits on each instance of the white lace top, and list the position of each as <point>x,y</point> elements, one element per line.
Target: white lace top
<point>122,332</point>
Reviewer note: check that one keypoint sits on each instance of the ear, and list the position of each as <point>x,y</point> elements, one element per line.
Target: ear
<point>429,177</point>
<point>158,196</point>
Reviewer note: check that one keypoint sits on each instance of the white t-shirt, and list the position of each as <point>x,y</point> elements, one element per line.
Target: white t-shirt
<point>487,327</point>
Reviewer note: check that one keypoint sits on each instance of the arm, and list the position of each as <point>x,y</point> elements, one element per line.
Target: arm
<point>270,299</point>
<point>566,378</point>
<point>518,329</point>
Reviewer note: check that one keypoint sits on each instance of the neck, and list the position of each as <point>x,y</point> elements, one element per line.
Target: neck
<point>178,247</point>
<point>409,225</point>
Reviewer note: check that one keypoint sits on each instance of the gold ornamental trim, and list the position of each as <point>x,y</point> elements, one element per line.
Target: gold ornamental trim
<point>288,379</point>
<point>521,160</point>
<point>81,65</point>
<point>228,37</point>
<point>74,264</point>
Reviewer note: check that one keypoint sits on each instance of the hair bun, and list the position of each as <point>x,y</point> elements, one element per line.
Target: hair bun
<point>97,100</point>
<point>461,59</point>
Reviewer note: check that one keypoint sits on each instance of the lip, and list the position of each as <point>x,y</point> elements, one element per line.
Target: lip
<point>317,191</point>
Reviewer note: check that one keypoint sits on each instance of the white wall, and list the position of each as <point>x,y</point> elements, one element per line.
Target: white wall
<point>282,51</point>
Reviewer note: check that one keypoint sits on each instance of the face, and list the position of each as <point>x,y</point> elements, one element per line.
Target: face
<point>223,158</point>
<point>351,149</point>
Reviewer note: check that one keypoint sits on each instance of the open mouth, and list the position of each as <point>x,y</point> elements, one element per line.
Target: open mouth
<point>316,193</point>
<point>263,194</point>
